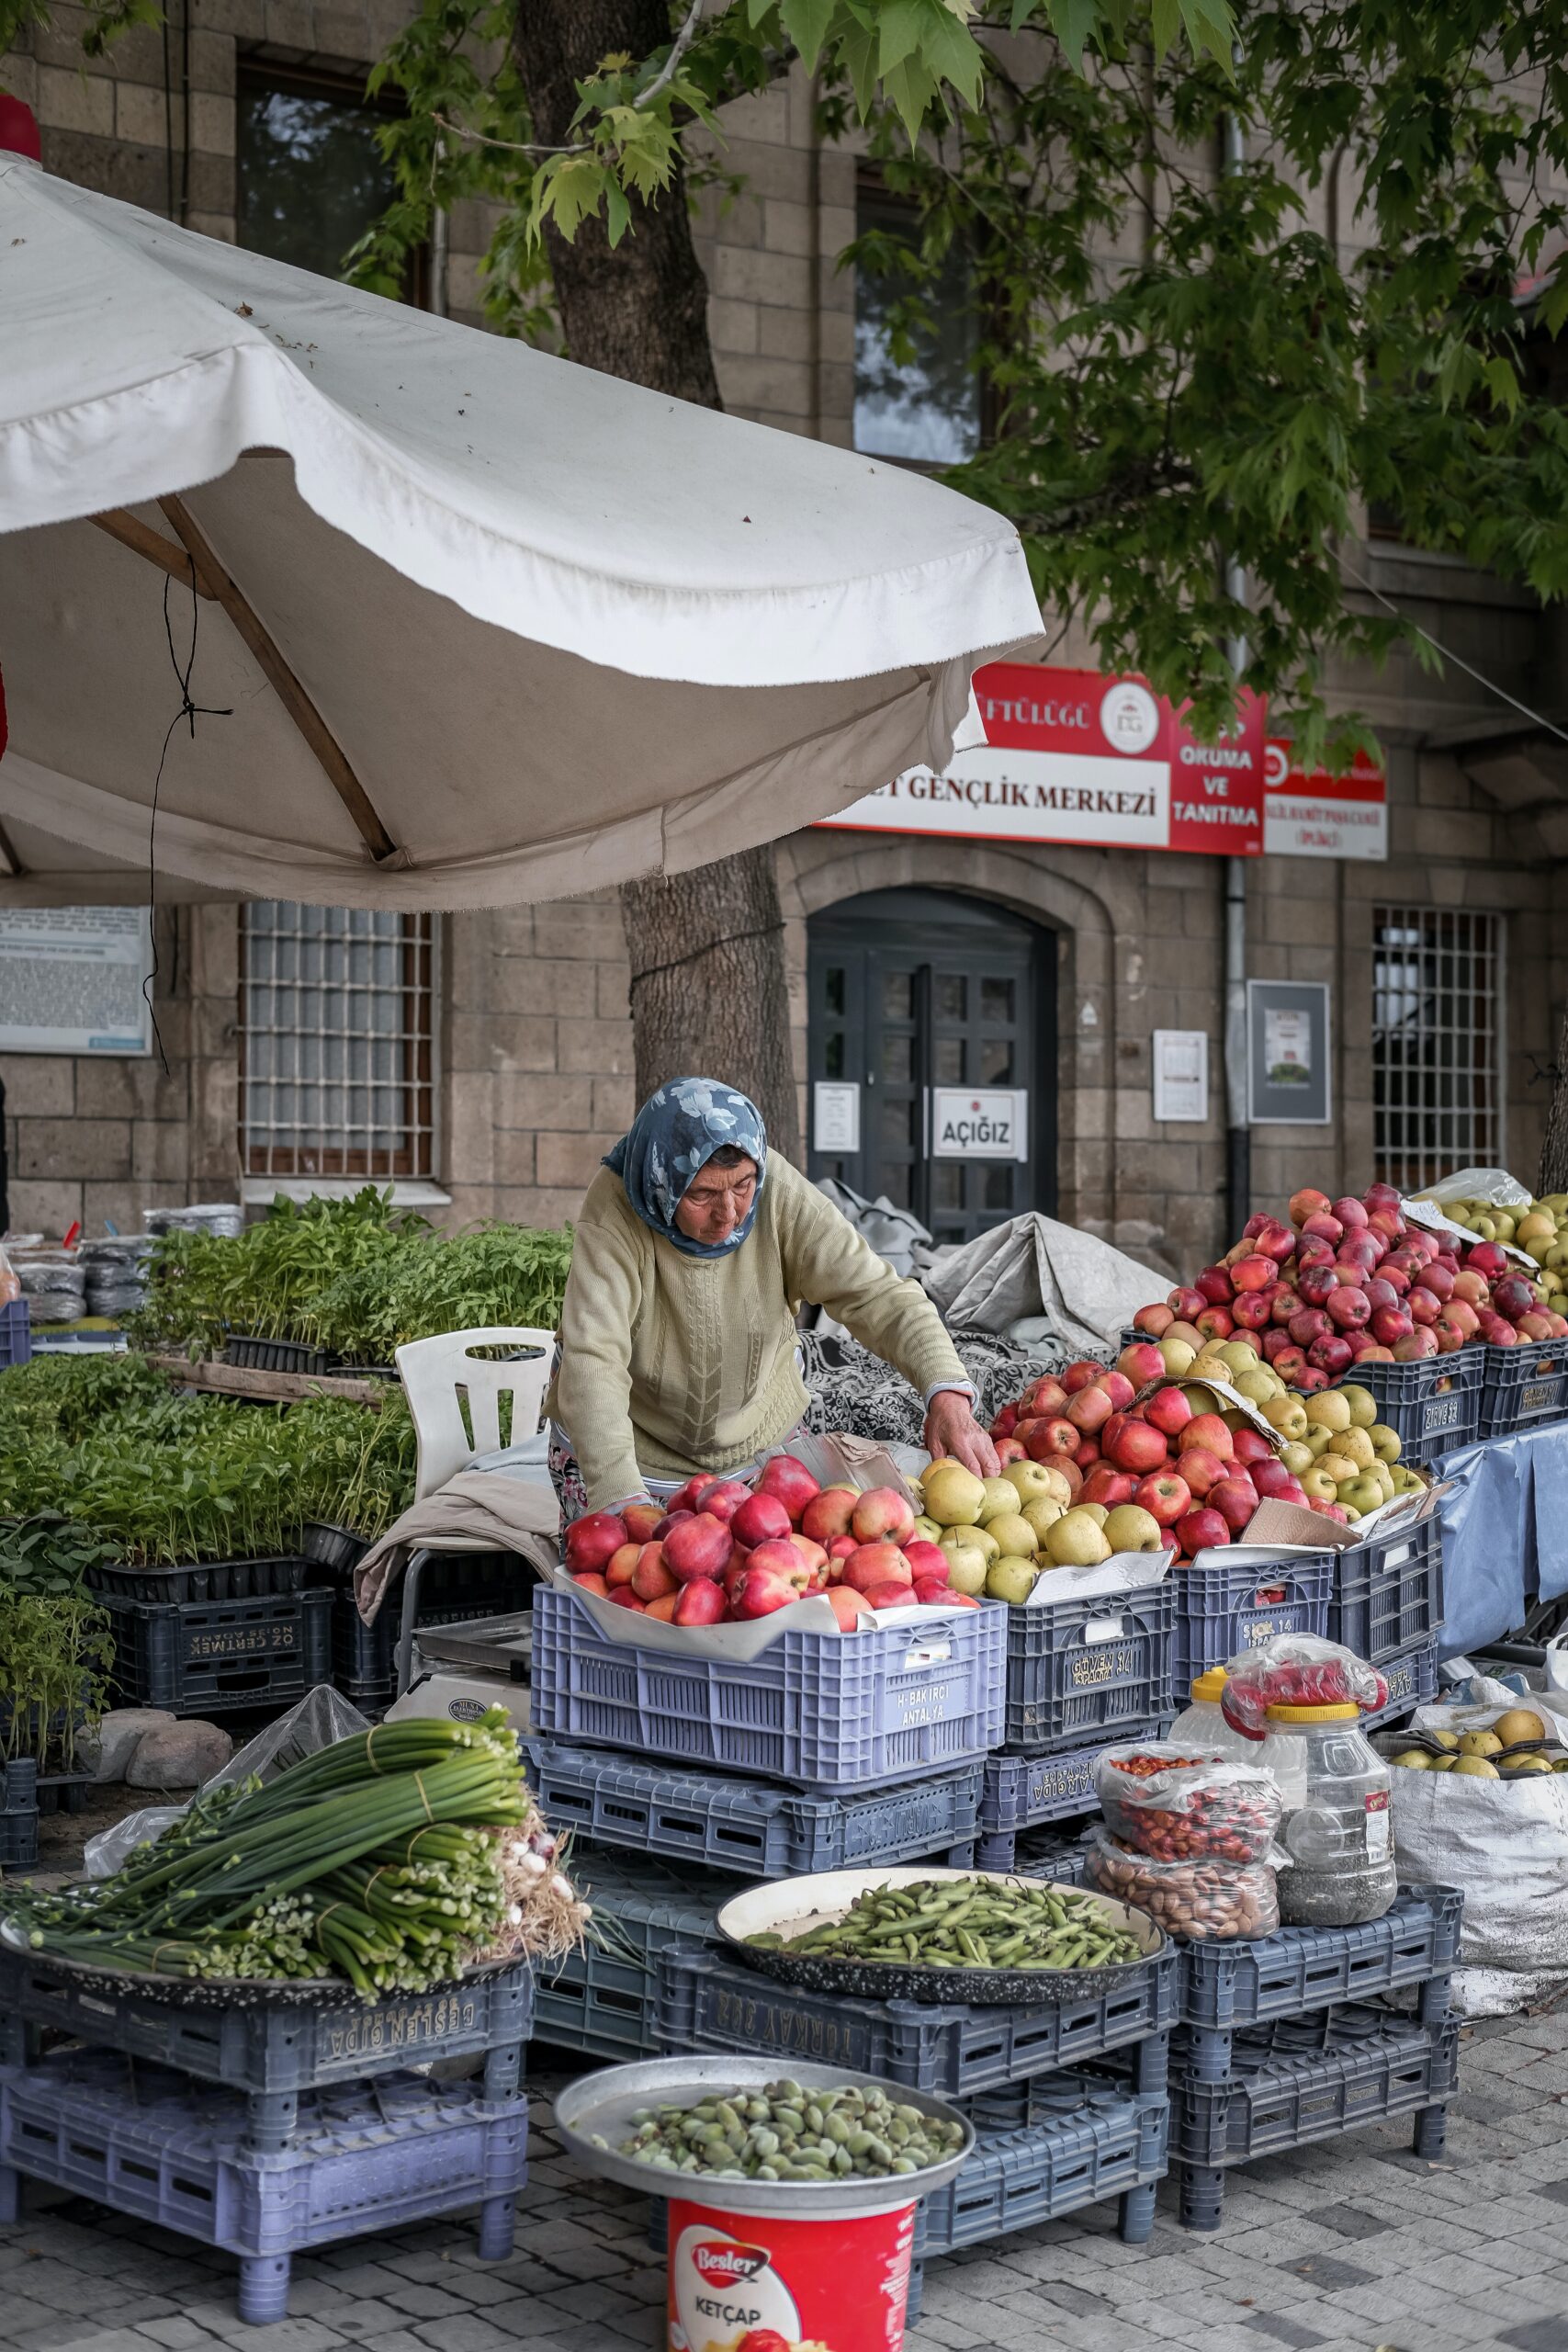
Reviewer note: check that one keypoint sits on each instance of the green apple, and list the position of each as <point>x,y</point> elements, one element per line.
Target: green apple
<point>1385,1442</point>
<point>1363,1406</point>
<point>952,1496</point>
<point>1129,1528</point>
<point>1010,1580</point>
<point>1078,1540</point>
<point>1043,1512</point>
<point>1317,1440</point>
<point>1000,1498</point>
<point>1286,1416</point>
<point>1012,1532</point>
<point>1298,1456</point>
<point>1317,1482</point>
<point>967,1570</point>
<point>930,1529</point>
<point>1038,1482</point>
<point>1361,1495</point>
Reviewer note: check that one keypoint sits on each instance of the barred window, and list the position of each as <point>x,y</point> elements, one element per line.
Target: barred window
<point>1436,1069</point>
<point>337,1048</point>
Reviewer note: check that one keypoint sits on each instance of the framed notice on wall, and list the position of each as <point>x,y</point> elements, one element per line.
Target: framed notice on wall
<point>1287,1054</point>
<point>71,980</point>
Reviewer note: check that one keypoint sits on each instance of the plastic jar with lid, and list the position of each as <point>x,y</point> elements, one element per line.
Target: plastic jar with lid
<point>1337,1827</point>
<point>1203,1723</point>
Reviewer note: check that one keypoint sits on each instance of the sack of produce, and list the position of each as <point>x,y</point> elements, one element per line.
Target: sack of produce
<point>1474,1814</point>
<point>1210,1901</point>
<point>1166,1800</point>
<point>1296,1670</point>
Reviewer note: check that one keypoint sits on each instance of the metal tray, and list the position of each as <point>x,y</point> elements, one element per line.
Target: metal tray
<point>796,1906</point>
<point>213,1991</point>
<point>601,2104</point>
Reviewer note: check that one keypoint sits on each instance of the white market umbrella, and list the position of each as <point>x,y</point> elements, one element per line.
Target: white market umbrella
<point>490,627</point>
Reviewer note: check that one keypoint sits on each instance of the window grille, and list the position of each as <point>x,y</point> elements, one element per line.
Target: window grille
<point>336,1057</point>
<point>1437,1071</point>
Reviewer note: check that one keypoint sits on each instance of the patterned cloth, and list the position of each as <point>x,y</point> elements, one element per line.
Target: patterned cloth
<point>676,1133</point>
<point>853,1389</point>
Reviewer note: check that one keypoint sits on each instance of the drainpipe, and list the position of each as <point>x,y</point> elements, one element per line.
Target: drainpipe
<point>438,237</point>
<point>1238,1133</point>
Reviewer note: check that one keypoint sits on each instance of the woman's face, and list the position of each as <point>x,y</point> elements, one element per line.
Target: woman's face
<point>717,1200</point>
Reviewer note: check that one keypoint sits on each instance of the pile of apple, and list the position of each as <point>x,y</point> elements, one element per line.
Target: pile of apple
<point>1352,1282</point>
<point>1195,1466</point>
<point>724,1552</point>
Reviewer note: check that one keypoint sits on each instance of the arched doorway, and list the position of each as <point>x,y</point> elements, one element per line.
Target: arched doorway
<point>912,990</point>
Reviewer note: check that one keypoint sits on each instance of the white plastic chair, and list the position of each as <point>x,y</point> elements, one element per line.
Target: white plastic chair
<point>439,1376</point>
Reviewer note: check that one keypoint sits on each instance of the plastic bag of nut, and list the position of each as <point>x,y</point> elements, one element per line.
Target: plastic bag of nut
<point>1208,1901</point>
<point>1165,1799</point>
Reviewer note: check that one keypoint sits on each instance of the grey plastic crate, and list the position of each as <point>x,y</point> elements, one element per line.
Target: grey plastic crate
<point>601,1999</point>
<point>1351,2071</point>
<point>1086,2139</point>
<point>1086,1672</point>
<point>746,1826</point>
<point>1239,1984</point>
<point>1387,1596</point>
<point>18,1814</point>
<point>1412,1682</point>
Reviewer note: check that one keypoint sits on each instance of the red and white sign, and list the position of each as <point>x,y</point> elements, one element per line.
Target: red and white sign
<point>1073,756</point>
<point>1322,815</point>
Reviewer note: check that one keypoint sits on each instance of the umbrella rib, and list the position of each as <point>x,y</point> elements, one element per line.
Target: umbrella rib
<point>285,684</point>
<point>14,869</point>
<point>143,540</point>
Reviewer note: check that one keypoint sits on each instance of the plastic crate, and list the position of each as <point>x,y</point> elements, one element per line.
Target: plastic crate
<point>1089,2140</point>
<point>746,1826</point>
<point>16,1334</point>
<point>707,2002</point>
<point>63,1792</point>
<point>1023,1792</point>
<point>245,1350</point>
<point>837,1714</point>
<point>1387,1595</point>
<point>454,1588</point>
<point>1083,1671</point>
<point>1412,1682</point>
<point>1431,1406</point>
<point>265,2048</point>
<point>257,1578</point>
<point>601,1999</point>
<point>1522,1385</point>
<point>199,1658</point>
<point>337,1549</point>
<point>18,1814</point>
<point>1277,2097</point>
<point>1225,1986</point>
<point>151,2144</point>
<point>1238,1605</point>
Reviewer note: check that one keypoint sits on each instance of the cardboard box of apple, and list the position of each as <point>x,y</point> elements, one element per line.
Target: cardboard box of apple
<point>1147,1458</point>
<point>1356,1280</point>
<point>724,1553</point>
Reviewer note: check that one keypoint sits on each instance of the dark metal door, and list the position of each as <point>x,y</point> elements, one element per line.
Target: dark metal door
<point>912,990</point>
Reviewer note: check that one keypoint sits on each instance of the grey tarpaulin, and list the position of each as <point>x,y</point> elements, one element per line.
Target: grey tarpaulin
<point>1082,1289</point>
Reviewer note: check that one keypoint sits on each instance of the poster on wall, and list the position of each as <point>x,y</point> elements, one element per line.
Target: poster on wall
<point>1071,755</point>
<point>1181,1075</point>
<point>71,980</point>
<point>1287,1053</point>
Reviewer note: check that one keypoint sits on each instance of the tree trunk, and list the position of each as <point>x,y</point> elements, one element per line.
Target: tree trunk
<point>710,994</point>
<point>1554,1177</point>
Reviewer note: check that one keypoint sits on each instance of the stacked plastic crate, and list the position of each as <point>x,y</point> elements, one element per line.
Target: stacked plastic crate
<point>266,2125</point>
<point>211,1636</point>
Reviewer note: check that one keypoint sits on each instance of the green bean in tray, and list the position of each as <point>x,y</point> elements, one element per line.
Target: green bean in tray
<point>968,1923</point>
<point>394,1859</point>
<point>782,2133</point>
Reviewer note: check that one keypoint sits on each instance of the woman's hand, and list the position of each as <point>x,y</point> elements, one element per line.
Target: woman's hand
<point>951,1429</point>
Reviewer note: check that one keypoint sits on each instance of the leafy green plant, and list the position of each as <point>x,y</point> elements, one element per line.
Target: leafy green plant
<point>55,1656</point>
<point>47,1556</point>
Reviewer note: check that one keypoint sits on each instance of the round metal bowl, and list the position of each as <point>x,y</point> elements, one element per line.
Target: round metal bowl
<point>600,2106</point>
<point>792,1907</point>
<point>218,1991</point>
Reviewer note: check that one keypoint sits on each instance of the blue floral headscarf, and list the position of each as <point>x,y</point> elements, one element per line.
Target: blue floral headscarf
<point>676,1131</point>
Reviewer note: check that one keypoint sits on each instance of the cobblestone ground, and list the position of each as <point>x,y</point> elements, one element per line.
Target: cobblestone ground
<point>1348,2246</point>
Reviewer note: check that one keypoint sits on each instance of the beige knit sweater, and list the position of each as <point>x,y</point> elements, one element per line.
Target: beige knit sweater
<point>671,1364</point>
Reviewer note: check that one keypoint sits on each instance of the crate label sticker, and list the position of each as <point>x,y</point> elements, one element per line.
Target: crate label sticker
<point>926,1655</point>
<point>1400,1677</point>
<point>411,2025</point>
<point>933,1702</point>
<point>1379,1825</point>
<point>1540,1399</point>
<point>242,1641</point>
<point>1087,1672</point>
<point>1442,1413</point>
<point>1262,1630</point>
<point>1104,1628</point>
<point>1075,1779</point>
<point>741,2019</point>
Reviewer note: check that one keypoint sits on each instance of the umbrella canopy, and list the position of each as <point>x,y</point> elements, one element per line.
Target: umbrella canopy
<point>484,627</point>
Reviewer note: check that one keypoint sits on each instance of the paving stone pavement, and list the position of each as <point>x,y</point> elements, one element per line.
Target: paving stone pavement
<point>1347,2246</point>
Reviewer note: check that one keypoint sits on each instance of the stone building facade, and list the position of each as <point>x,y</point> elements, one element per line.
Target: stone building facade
<point>531,1039</point>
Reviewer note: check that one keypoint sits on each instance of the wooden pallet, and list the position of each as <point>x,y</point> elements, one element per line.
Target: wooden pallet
<point>268,1388</point>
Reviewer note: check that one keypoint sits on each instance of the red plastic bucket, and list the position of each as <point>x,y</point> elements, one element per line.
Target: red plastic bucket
<point>741,2282</point>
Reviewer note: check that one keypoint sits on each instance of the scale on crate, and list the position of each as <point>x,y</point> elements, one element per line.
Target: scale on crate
<point>459,1670</point>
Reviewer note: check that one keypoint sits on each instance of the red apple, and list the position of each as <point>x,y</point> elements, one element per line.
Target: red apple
<point>590,1580</point>
<point>1201,1469</point>
<point>591,1541</point>
<point>1535,1325</point>
<point>1254,1272</point>
<point>1208,1431</point>
<point>1349,1309</point>
<point>700,1602</point>
<point>670,1520</point>
<point>1008,1449</point>
<point>764,1588</point>
<point>1108,1485</point>
<point>1450,1333</point>
<point>1165,1497</point>
<point>1514,1297</point>
<point>1309,1323</point>
<point>1284,1302</point>
<point>664,1608</point>
<point>877,1564</point>
<point>791,1481</point>
<point>1047,1399</point>
<point>925,1559</point>
<point>883,1512</point>
<point>1252,1311</point>
<point>651,1579</point>
<point>1235,1500</point>
<point>892,1596</point>
<point>815,1557</point>
<point>1315,1285</point>
<point>933,1592</point>
<point>1140,1364</point>
<point>1330,1354</point>
<point>1289,1363</point>
<point>1306,1203</point>
<point>623,1597</point>
<point>1088,1455</point>
<point>1276,1344</point>
<point>1271,1478</point>
<point>1311,1377</point>
<point>1497,1332</point>
<point>829,1513</point>
<point>1216,1283</point>
<point>1119,1388</point>
<point>1080,1373</point>
<point>1139,1446</point>
<point>847,1605</point>
<point>642,1520</point>
<point>1089,1409</point>
<point>1188,1303</point>
<point>1050,1440</point>
<point>1322,1227</point>
<point>1199,1531</point>
<point>1155,1320</point>
<point>1249,1448</point>
<point>1391,1324</point>
<point>1486,1258</point>
<point>1470,1287</point>
<point>759,1518</point>
<point>621,1565</point>
<point>722,1497</point>
<point>1349,1211</point>
<point>698,1546</point>
<point>686,1498</point>
<point>1005,1422</point>
<point>1167,1410</point>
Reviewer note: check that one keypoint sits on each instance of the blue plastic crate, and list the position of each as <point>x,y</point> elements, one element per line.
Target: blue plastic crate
<point>150,2143</point>
<point>746,1826</point>
<point>1088,2139</point>
<point>1224,1986</point>
<point>16,1334</point>
<point>1235,1605</point>
<point>264,2046</point>
<point>18,1814</point>
<point>1432,1405</point>
<point>1086,1672</point>
<point>1412,1682</point>
<point>1348,2072</point>
<point>200,1657</point>
<point>1387,1595</point>
<point>1024,1792</point>
<point>708,2002</point>
<point>1523,1385</point>
<point>601,1999</point>
<point>837,1713</point>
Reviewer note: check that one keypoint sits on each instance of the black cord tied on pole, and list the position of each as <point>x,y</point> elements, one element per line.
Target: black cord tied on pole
<point>190,712</point>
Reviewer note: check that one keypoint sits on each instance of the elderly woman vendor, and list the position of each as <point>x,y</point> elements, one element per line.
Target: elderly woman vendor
<point>695,1246</point>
